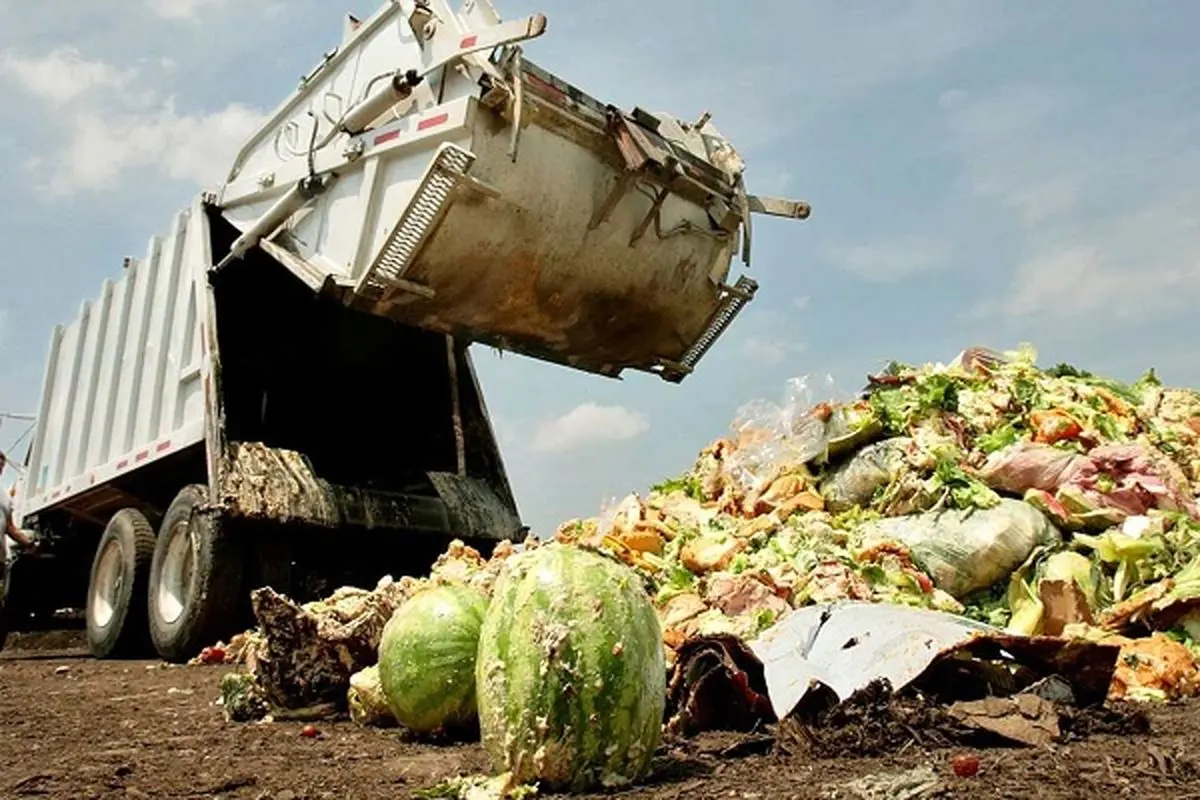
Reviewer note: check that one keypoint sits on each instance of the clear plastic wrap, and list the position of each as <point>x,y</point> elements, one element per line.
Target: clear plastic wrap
<point>770,436</point>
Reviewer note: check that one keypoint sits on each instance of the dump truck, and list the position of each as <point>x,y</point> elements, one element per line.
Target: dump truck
<point>280,392</point>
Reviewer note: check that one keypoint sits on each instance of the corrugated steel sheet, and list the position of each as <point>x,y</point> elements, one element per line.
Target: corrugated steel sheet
<point>123,381</point>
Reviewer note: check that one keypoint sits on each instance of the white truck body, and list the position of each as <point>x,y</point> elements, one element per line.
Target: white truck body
<point>424,188</point>
<point>125,380</point>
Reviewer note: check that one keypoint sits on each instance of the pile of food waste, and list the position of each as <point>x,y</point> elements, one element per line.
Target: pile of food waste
<point>1041,501</point>
<point>1028,536</point>
<point>551,655</point>
<point>300,660</point>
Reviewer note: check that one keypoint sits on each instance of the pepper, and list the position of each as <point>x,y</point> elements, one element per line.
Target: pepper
<point>1054,426</point>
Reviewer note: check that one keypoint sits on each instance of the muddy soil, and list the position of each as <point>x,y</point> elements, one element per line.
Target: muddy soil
<point>77,728</point>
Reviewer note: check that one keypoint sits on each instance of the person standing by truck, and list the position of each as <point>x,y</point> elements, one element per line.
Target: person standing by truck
<point>9,527</point>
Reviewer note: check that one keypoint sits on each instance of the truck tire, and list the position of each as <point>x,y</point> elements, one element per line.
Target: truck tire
<point>116,601</point>
<point>195,578</point>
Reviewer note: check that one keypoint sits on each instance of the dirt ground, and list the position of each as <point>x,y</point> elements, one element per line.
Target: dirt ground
<point>77,728</point>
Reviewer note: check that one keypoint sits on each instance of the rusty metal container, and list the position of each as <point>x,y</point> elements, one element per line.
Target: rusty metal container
<point>477,194</point>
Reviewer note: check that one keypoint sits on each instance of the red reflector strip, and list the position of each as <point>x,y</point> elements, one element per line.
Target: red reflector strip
<point>142,456</point>
<point>468,41</point>
<point>387,137</point>
<point>432,122</point>
<point>161,446</point>
<point>549,88</point>
<point>123,463</point>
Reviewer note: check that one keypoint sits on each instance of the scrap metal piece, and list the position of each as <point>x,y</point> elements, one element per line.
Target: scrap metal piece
<point>734,300</point>
<point>847,646</point>
<point>778,207</point>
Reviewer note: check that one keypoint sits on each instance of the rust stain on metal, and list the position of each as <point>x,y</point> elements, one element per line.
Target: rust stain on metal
<point>530,271</point>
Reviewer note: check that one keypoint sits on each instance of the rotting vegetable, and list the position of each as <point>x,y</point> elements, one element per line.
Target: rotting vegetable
<point>886,497</point>
<point>570,672</point>
<point>367,701</point>
<point>427,658</point>
<point>819,499</point>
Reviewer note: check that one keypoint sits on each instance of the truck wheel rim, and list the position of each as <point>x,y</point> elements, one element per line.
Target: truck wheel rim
<point>109,578</point>
<point>175,586</point>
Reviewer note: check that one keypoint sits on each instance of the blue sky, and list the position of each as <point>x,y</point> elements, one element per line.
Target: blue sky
<point>981,173</point>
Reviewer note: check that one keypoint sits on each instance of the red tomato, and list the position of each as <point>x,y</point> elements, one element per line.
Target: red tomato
<point>965,766</point>
<point>212,655</point>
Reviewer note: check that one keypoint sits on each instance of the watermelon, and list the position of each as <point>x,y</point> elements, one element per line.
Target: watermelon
<point>427,658</point>
<point>571,672</point>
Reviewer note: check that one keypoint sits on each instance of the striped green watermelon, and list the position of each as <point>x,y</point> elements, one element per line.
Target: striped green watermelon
<point>427,658</point>
<point>571,675</point>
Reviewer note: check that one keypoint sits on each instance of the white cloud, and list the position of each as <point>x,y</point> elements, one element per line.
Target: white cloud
<point>62,75</point>
<point>802,303</point>
<point>771,351</point>
<point>845,53</point>
<point>111,123</point>
<point>186,147</point>
<point>589,424</point>
<point>1036,179</point>
<point>895,41</point>
<point>890,259</point>
<point>182,9</point>
<point>771,336</point>
<point>1101,196</point>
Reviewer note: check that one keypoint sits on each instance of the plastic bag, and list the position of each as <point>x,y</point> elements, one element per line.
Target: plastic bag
<point>619,516</point>
<point>769,436</point>
<point>965,551</point>
<point>1131,479</point>
<point>855,482</point>
<point>1025,465</point>
<point>1099,489</point>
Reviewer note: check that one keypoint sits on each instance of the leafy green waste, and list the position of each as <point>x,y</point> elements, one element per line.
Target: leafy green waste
<point>747,533</point>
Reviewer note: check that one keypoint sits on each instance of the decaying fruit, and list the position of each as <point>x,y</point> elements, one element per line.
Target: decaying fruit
<point>571,671</point>
<point>965,765</point>
<point>427,658</point>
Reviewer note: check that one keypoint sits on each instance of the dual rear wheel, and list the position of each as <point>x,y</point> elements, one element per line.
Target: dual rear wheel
<point>172,594</point>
